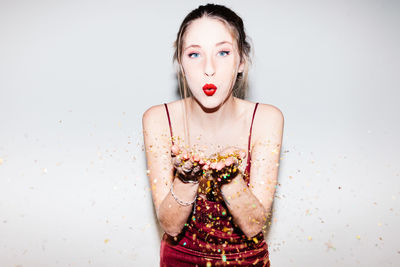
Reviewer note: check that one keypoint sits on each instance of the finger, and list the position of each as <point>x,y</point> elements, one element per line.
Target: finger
<point>196,170</point>
<point>206,167</point>
<point>220,165</point>
<point>175,150</point>
<point>213,165</point>
<point>179,170</point>
<point>242,154</point>
<point>229,161</point>
<point>196,158</point>
<point>176,161</point>
<point>187,166</point>
<point>185,154</point>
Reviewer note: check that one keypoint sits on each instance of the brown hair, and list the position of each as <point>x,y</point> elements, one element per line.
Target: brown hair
<point>235,24</point>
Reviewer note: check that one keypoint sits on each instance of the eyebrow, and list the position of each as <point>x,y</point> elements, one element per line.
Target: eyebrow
<point>217,44</point>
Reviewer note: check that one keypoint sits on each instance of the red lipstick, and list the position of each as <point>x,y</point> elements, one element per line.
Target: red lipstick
<point>209,89</point>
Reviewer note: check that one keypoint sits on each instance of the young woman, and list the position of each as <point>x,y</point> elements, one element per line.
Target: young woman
<point>199,148</point>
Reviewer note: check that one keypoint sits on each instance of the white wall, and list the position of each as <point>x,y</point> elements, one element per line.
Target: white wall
<point>76,76</point>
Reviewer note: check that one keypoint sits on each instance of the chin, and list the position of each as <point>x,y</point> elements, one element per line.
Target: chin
<point>209,102</point>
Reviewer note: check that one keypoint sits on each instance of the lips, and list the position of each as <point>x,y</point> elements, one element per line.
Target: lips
<point>209,89</point>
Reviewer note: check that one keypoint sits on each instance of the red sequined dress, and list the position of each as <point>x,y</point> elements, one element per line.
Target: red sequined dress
<point>211,238</point>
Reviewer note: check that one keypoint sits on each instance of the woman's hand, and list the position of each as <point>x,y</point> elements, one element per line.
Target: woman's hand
<point>226,164</point>
<point>189,166</point>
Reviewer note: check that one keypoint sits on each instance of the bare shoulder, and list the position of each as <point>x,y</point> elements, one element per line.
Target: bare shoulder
<point>269,112</point>
<point>268,122</point>
<point>151,112</point>
<point>155,126</point>
<point>157,115</point>
<point>265,112</point>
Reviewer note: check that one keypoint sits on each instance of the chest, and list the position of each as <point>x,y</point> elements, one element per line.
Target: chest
<point>206,142</point>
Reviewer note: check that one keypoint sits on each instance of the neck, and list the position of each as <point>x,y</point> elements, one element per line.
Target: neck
<point>212,120</point>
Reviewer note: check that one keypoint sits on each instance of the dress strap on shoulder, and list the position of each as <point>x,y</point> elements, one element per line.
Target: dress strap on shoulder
<point>251,128</point>
<point>248,148</point>
<point>169,121</point>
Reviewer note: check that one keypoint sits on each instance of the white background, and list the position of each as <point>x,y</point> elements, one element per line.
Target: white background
<point>76,77</point>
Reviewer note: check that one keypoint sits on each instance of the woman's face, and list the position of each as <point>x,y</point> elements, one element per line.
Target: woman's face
<point>210,56</point>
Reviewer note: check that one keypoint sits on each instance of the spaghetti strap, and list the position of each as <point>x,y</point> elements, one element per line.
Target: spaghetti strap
<point>169,121</point>
<point>248,148</point>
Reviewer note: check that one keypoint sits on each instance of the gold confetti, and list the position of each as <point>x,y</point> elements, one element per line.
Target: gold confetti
<point>358,237</point>
<point>106,241</point>
<point>309,237</point>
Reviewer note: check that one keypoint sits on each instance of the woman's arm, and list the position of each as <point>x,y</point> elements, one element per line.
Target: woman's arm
<point>171,215</point>
<point>251,206</point>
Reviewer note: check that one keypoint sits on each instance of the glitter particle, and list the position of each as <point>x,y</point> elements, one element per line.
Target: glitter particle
<point>329,245</point>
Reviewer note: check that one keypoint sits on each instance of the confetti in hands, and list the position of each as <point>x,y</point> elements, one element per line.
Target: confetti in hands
<point>189,166</point>
<point>221,166</point>
<point>225,164</point>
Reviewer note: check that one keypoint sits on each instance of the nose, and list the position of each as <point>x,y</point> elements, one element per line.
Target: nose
<point>209,68</point>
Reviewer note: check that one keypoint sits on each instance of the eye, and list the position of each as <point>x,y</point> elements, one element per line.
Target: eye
<point>224,53</point>
<point>193,55</point>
